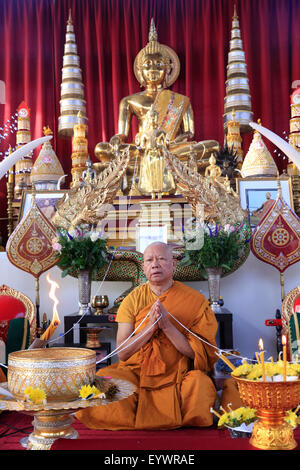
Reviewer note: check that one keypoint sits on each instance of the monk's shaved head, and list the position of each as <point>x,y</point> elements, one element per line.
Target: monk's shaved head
<point>167,249</point>
<point>159,264</point>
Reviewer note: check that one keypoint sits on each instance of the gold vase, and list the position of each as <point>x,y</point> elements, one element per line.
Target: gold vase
<point>271,400</point>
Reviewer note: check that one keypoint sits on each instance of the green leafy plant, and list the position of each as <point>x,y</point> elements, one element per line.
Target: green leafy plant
<point>82,249</point>
<point>220,247</point>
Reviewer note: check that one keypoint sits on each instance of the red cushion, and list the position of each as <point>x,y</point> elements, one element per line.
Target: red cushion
<point>297,305</point>
<point>11,308</point>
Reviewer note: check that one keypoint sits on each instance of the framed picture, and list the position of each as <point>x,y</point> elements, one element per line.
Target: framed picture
<point>45,200</point>
<point>258,194</point>
<point>146,234</point>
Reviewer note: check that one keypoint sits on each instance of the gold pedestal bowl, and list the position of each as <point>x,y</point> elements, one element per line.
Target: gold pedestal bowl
<point>92,340</point>
<point>60,372</point>
<point>100,302</point>
<point>271,400</point>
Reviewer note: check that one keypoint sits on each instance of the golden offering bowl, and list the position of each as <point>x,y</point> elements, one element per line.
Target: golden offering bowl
<point>99,302</point>
<point>271,400</point>
<point>54,420</point>
<point>60,372</point>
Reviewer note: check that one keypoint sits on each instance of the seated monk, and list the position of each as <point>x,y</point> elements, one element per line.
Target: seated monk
<point>169,365</point>
<point>156,67</point>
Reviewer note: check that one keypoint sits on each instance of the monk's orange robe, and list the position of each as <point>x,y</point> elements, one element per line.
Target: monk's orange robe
<point>172,390</point>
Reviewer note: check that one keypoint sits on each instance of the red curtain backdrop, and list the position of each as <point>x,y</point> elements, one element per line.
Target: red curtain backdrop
<point>109,34</point>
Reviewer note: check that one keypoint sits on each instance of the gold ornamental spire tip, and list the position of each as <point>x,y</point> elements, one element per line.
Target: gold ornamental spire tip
<point>235,16</point>
<point>70,17</point>
<point>79,115</point>
<point>47,130</point>
<point>152,32</point>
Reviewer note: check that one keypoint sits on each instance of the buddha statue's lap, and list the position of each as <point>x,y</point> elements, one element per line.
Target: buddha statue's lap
<point>156,67</point>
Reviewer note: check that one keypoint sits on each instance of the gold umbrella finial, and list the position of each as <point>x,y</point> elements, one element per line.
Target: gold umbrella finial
<point>47,130</point>
<point>70,17</point>
<point>235,16</point>
<point>152,32</point>
<point>79,115</point>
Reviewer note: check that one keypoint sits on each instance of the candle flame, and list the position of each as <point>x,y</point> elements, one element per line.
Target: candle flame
<point>261,345</point>
<point>52,296</point>
<point>283,340</point>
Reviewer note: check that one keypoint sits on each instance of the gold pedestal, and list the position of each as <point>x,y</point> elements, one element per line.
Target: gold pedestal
<point>92,340</point>
<point>52,420</point>
<point>271,432</point>
<point>49,426</point>
<point>271,400</point>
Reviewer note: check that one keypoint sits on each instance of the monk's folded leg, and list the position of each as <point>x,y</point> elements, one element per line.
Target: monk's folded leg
<point>116,416</point>
<point>230,395</point>
<point>198,395</point>
<point>158,409</point>
<point>119,415</point>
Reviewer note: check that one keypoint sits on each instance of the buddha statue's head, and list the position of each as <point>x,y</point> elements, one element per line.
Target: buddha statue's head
<point>154,68</point>
<point>212,160</point>
<point>156,63</point>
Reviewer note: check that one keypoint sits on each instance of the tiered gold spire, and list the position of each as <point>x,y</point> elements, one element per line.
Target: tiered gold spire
<point>237,86</point>
<point>72,88</point>
<point>23,136</point>
<point>79,151</point>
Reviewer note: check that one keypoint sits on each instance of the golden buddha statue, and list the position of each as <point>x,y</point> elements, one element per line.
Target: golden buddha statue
<point>156,67</point>
<point>154,177</point>
<point>213,171</point>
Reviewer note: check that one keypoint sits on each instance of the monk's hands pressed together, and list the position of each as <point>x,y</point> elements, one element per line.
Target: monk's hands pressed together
<point>154,315</point>
<point>164,322</point>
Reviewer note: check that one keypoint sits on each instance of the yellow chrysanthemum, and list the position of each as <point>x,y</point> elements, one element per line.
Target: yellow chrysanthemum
<point>243,370</point>
<point>255,373</point>
<point>238,416</point>
<point>88,391</point>
<point>292,419</point>
<point>223,420</point>
<point>35,395</point>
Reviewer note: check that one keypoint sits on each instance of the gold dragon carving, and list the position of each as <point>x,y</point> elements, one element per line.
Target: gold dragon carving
<point>211,201</point>
<point>89,202</point>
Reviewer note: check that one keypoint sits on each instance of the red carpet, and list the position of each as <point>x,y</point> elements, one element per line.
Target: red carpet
<point>14,426</point>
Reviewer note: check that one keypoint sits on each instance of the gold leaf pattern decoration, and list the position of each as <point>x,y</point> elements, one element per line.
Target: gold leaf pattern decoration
<point>276,240</point>
<point>29,247</point>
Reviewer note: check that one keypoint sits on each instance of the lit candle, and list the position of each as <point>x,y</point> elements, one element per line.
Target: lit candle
<point>55,318</point>
<point>262,359</point>
<point>283,340</point>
